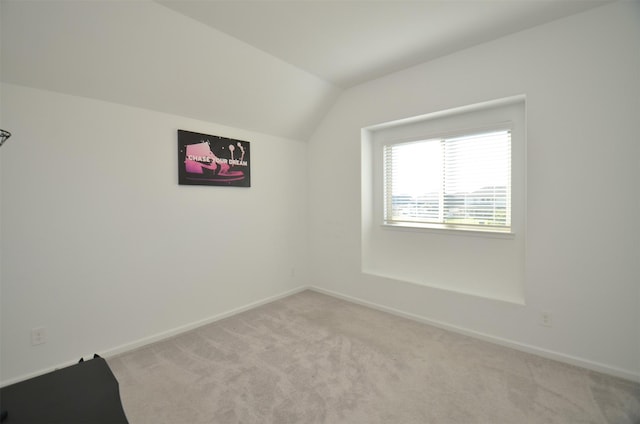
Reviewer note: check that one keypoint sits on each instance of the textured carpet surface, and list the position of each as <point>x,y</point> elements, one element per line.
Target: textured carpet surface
<point>311,358</point>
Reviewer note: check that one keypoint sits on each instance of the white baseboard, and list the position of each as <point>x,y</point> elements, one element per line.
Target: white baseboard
<point>549,354</point>
<point>580,362</point>
<point>184,328</point>
<point>156,337</point>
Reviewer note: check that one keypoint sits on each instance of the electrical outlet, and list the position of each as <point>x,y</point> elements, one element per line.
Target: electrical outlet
<point>545,319</point>
<point>38,336</point>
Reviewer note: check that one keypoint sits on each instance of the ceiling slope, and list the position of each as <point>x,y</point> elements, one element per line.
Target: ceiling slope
<point>142,54</point>
<point>349,42</point>
<point>268,66</point>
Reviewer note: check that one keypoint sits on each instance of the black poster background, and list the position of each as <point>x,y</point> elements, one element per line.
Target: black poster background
<point>212,160</point>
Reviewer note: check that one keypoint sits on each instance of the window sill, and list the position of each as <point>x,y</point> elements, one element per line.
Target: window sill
<point>450,230</point>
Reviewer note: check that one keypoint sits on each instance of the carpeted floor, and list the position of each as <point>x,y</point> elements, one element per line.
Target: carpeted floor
<point>311,358</point>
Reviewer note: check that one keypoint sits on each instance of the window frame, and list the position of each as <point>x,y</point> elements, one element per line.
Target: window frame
<point>450,134</point>
<point>445,122</point>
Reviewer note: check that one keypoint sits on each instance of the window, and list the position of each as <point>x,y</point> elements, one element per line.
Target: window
<point>461,181</point>
<point>443,199</point>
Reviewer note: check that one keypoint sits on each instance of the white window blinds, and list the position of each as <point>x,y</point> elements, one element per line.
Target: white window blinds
<point>456,182</point>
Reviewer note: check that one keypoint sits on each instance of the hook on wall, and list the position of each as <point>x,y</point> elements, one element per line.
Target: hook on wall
<point>4,135</point>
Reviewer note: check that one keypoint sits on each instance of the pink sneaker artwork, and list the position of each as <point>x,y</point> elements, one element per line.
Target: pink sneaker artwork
<point>212,160</point>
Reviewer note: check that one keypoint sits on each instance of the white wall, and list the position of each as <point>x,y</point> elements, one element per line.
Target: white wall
<point>580,76</point>
<point>102,247</point>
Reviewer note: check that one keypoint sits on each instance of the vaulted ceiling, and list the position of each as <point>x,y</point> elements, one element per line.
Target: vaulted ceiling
<point>268,66</point>
<point>350,42</point>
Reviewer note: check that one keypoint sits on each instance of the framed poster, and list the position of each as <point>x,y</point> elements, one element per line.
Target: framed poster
<point>212,160</point>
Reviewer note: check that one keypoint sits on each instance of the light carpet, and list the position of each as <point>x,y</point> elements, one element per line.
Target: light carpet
<point>312,358</point>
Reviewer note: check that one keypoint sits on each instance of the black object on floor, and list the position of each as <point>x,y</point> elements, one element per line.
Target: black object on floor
<point>86,393</point>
